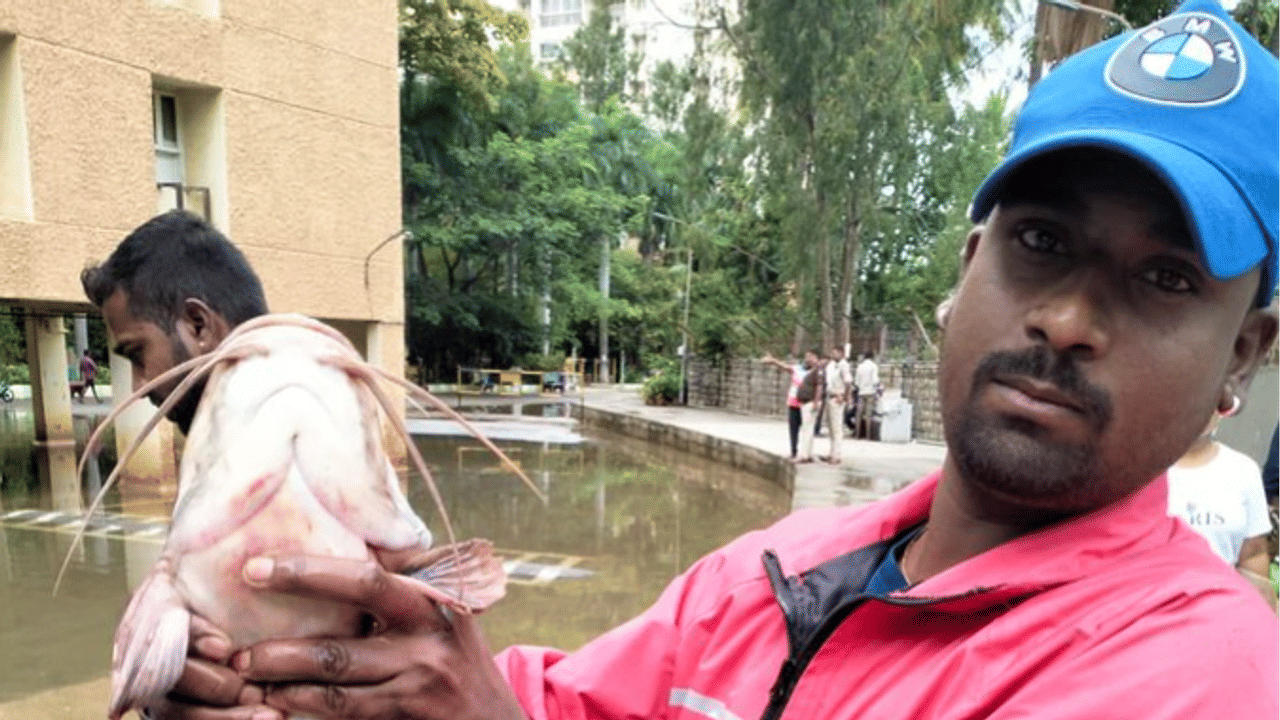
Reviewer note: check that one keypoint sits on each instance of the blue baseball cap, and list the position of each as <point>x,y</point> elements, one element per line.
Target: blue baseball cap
<point>1193,97</point>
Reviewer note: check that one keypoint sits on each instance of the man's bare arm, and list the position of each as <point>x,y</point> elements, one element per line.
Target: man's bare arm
<point>772,361</point>
<point>1255,566</point>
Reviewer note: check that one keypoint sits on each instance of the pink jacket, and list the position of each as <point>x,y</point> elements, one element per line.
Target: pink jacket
<point>1121,613</point>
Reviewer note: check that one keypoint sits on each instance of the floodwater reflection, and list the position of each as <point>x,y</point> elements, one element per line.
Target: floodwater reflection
<point>50,642</point>
<point>623,518</point>
<point>633,515</point>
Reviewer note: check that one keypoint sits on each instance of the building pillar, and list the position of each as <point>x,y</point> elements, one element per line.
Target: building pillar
<point>384,347</point>
<point>50,392</point>
<point>148,483</point>
<point>80,322</point>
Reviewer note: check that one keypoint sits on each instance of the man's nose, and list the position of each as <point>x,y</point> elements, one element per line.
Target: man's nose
<point>1073,316</point>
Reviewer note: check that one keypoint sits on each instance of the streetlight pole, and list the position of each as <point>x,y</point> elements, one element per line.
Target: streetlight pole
<point>684,341</point>
<point>684,326</point>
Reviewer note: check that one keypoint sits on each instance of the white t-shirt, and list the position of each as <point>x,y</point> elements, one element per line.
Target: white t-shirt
<point>1223,500</point>
<point>867,377</point>
<point>838,378</point>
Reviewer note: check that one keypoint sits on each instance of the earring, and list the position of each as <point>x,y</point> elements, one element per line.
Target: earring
<point>1235,407</point>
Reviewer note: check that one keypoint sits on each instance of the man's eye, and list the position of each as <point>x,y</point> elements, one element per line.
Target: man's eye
<point>1037,239</point>
<point>1169,280</point>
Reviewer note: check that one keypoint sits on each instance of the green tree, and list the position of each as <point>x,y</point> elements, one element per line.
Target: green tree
<point>839,95</point>
<point>908,273</point>
<point>450,40</point>
<point>597,55</point>
<point>508,204</point>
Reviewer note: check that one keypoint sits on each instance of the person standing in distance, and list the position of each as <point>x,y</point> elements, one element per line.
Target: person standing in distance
<point>867,380</point>
<point>839,389</point>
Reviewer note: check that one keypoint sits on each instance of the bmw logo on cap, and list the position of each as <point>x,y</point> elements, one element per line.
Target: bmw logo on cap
<point>1187,59</point>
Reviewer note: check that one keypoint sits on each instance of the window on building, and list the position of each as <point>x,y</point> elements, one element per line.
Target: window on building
<point>556,13</point>
<point>187,134</point>
<point>550,51</point>
<point>164,108</point>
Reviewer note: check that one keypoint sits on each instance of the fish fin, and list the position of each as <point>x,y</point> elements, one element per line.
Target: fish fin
<point>467,576</point>
<point>151,643</point>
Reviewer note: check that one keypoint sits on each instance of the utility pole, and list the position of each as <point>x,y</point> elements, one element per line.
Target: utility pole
<point>602,373</point>
<point>684,332</point>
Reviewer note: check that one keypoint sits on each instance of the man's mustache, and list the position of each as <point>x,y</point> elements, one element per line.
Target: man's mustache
<point>1058,369</point>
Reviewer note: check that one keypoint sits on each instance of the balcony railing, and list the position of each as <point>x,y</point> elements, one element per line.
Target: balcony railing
<point>179,196</point>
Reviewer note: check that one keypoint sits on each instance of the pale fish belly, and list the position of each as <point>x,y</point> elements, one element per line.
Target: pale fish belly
<point>292,522</point>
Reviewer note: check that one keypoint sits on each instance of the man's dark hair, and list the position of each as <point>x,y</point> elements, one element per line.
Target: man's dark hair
<point>868,355</point>
<point>170,258</point>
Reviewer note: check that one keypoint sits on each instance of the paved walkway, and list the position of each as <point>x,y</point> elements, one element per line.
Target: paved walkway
<point>868,471</point>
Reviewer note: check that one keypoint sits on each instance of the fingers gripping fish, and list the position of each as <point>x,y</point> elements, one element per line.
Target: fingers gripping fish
<point>284,456</point>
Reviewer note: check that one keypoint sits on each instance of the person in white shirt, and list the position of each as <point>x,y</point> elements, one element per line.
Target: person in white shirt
<point>867,378</point>
<point>1218,492</point>
<point>839,388</point>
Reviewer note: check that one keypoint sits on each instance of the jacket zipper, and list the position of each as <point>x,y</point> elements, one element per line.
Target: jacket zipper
<point>794,666</point>
<point>798,659</point>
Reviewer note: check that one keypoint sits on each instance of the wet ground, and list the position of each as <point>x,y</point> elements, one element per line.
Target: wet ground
<point>623,518</point>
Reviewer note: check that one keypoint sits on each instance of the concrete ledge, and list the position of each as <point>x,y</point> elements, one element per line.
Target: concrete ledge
<point>733,454</point>
<point>23,392</point>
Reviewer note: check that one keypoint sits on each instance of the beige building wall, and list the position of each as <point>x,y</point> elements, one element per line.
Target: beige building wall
<point>288,116</point>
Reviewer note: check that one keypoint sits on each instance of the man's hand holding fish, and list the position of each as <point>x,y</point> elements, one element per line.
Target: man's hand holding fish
<point>417,665</point>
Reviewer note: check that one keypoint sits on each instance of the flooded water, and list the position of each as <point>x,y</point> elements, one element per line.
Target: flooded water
<point>622,519</point>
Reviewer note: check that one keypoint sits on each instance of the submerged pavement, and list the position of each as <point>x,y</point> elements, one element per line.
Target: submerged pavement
<point>868,470</point>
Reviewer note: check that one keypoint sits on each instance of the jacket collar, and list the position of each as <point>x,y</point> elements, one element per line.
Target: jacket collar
<point>1053,555</point>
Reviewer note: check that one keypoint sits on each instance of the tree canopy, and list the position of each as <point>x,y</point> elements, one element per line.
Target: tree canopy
<point>568,212</point>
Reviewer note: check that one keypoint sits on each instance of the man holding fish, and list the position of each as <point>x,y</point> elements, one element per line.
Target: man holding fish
<point>1115,291</point>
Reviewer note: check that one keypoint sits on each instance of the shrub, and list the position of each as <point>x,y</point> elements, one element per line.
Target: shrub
<point>662,388</point>
<point>538,361</point>
<point>16,374</point>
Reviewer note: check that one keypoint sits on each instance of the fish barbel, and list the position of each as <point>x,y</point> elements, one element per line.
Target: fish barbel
<point>284,456</point>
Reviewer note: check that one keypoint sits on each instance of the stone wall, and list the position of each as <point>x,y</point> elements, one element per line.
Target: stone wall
<point>738,384</point>
<point>745,385</point>
<point>919,384</point>
<point>727,452</point>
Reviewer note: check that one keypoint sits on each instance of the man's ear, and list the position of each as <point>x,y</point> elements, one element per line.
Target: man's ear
<point>204,327</point>
<point>1257,333</point>
<point>969,248</point>
<point>942,313</point>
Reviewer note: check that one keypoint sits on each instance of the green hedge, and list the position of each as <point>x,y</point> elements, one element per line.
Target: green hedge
<point>663,388</point>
